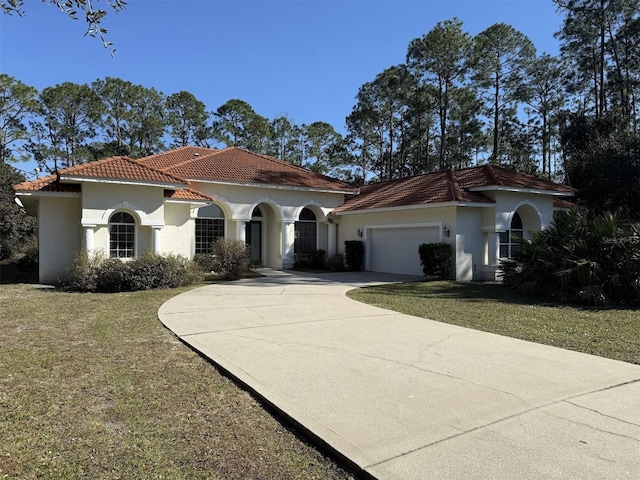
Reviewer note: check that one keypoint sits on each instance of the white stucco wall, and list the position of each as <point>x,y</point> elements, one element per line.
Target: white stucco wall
<point>60,235</point>
<point>469,241</point>
<point>178,233</point>
<point>146,204</point>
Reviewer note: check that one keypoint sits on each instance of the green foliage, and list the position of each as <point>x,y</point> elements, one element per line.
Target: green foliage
<point>206,261</point>
<point>231,258</point>
<point>83,272</point>
<point>100,274</point>
<point>436,259</point>
<point>602,160</point>
<point>93,17</point>
<point>17,228</point>
<point>354,254</point>
<point>588,259</point>
<point>335,263</point>
<point>315,260</point>
<point>113,275</point>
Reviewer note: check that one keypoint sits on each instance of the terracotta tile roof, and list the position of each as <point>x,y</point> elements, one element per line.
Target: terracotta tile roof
<point>174,157</point>
<point>445,186</point>
<point>560,203</point>
<point>188,194</point>
<point>236,165</point>
<point>120,168</point>
<point>493,176</point>
<point>47,184</point>
<point>113,168</point>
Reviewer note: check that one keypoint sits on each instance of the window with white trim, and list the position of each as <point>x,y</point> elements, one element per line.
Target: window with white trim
<point>209,227</point>
<point>509,240</point>
<point>306,232</point>
<point>122,235</point>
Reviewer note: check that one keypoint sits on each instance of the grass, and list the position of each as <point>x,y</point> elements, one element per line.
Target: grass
<point>93,386</point>
<point>611,333</point>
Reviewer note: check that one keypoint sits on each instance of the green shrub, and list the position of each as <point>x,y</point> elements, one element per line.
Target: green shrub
<point>30,258</point>
<point>231,258</point>
<point>314,260</point>
<point>581,258</point>
<point>436,259</point>
<point>206,261</point>
<point>113,275</point>
<point>83,272</point>
<point>335,263</point>
<point>354,254</point>
<point>98,274</point>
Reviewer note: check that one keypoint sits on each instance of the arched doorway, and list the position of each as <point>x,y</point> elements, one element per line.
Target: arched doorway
<point>254,235</point>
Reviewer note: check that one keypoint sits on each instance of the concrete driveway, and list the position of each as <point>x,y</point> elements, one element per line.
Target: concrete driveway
<point>407,398</point>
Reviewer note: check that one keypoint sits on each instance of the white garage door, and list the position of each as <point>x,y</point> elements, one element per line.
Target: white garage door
<point>395,250</point>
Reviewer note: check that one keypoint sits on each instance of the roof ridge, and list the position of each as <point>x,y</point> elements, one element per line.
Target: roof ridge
<point>156,170</point>
<point>453,183</point>
<point>492,175</point>
<point>195,158</point>
<point>277,160</point>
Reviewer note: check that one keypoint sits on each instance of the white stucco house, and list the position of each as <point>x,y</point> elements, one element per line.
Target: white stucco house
<point>180,201</point>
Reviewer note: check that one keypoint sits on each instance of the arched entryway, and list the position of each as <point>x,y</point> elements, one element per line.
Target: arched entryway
<point>263,235</point>
<point>523,222</point>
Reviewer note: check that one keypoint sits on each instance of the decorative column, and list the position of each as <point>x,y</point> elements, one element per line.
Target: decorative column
<point>241,231</point>
<point>332,241</point>
<point>288,239</point>
<point>157,242</point>
<point>88,239</point>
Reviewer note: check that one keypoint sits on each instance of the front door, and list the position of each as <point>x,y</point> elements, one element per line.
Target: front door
<point>254,240</point>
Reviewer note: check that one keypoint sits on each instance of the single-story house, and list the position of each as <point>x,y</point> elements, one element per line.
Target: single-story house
<point>179,202</point>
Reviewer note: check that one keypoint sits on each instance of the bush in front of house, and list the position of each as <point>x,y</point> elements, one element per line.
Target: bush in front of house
<point>314,260</point>
<point>436,260</point>
<point>100,274</point>
<point>354,254</point>
<point>335,263</point>
<point>231,258</point>
<point>583,258</point>
<point>205,261</point>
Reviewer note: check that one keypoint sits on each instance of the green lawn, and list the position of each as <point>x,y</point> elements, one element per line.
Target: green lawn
<point>612,333</point>
<point>93,386</point>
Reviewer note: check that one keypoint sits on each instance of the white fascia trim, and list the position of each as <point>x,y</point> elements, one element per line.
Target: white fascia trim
<point>48,194</point>
<point>194,204</point>
<point>522,190</point>
<point>415,207</point>
<point>276,187</point>
<point>175,186</point>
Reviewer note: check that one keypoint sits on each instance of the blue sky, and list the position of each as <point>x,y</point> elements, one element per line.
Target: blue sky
<point>303,58</point>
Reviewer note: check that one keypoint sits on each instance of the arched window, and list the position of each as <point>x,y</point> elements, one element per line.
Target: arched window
<point>209,227</point>
<point>509,240</point>
<point>306,229</point>
<point>122,235</point>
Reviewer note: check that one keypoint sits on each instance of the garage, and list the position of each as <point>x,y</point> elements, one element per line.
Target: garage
<point>394,249</point>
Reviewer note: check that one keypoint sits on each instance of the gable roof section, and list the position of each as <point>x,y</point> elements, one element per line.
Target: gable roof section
<point>238,166</point>
<point>120,169</point>
<point>448,186</point>
<point>188,195</point>
<point>175,157</point>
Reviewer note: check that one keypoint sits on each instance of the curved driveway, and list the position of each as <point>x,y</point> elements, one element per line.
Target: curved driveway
<point>408,398</point>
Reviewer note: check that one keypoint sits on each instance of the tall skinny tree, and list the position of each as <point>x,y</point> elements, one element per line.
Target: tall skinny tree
<point>187,119</point>
<point>440,58</point>
<point>500,56</point>
<point>17,104</point>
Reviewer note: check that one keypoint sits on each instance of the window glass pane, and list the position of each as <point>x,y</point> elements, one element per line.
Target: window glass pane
<point>210,211</point>
<point>208,230</point>
<point>504,251</point>
<point>504,237</point>
<point>516,222</point>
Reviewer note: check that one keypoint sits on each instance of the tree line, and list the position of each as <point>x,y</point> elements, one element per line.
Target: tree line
<point>457,100</point>
<point>69,124</point>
